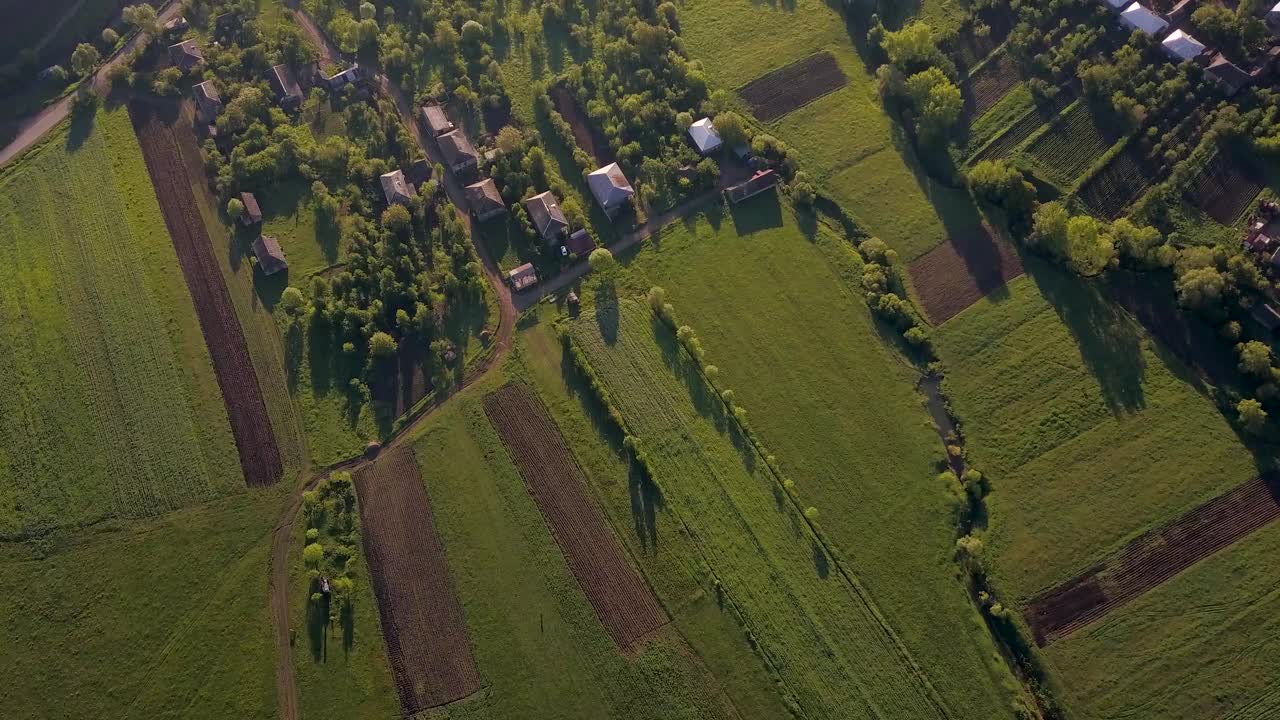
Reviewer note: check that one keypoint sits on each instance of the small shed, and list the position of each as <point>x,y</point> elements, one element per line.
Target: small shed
<point>523,277</point>
<point>269,255</point>
<point>396,189</point>
<point>704,136</point>
<point>484,199</point>
<point>1180,12</point>
<point>1227,75</point>
<point>1266,316</point>
<point>208,101</point>
<point>341,79</point>
<point>185,55</point>
<point>760,182</point>
<point>548,219</point>
<point>285,85</point>
<point>1181,46</point>
<point>176,25</point>
<point>580,243</point>
<point>1138,17</point>
<point>458,151</point>
<point>252,214</point>
<point>611,188</point>
<point>419,172</point>
<point>436,119</point>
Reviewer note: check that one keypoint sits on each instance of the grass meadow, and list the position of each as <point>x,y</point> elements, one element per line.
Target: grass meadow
<point>111,406</point>
<point>1083,424</point>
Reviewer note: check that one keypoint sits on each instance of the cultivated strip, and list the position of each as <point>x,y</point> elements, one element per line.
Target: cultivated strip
<point>984,88</point>
<point>773,95</point>
<point>962,271</point>
<point>623,602</point>
<point>1153,558</point>
<point>427,644</point>
<point>246,409</point>
<point>1224,188</point>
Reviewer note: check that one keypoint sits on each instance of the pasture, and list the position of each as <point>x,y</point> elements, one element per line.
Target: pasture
<point>1081,421</point>
<point>112,408</point>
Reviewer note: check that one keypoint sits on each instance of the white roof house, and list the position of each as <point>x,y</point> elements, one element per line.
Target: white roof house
<point>1273,17</point>
<point>704,136</point>
<point>1139,18</point>
<point>1182,46</point>
<point>611,187</point>
<point>1116,5</point>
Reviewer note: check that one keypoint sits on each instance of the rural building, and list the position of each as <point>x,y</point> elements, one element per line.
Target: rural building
<point>270,257</point>
<point>339,80</point>
<point>285,86</point>
<point>611,188</point>
<point>418,173</point>
<point>1181,46</point>
<point>437,122</point>
<point>704,136</point>
<point>758,183</point>
<point>1138,17</point>
<point>1273,18</point>
<point>1266,316</point>
<point>252,214</point>
<point>484,200</point>
<point>1228,75</point>
<point>458,151</point>
<point>185,55</point>
<point>208,101</point>
<point>176,25</point>
<point>548,219</point>
<point>1116,5</point>
<point>523,277</point>
<point>580,244</point>
<point>396,188</point>
<point>1180,12</point>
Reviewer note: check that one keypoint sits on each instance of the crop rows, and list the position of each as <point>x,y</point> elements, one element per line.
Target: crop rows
<point>427,643</point>
<point>773,95</point>
<point>1070,145</point>
<point>622,601</point>
<point>1153,558</point>
<point>961,271</point>
<point>1123,180</point>
<point>984,88</point>
<point>820,631</point>
<point>1024,127</point>
<point>1225,188</point>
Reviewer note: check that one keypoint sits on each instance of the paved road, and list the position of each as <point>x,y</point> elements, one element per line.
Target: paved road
<point>36,126</point>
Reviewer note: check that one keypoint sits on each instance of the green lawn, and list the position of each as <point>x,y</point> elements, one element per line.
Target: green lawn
<point>163,618</point>
<point>289,215</point>
<point>1204,644</point>
<point>1089,432</point>
<point>111,406</point>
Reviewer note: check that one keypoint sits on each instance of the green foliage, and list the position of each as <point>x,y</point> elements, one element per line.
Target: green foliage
<point>1252,416</point>
<point>235,208</point>
<point>1000,184</point>
<point>732,129</point>
<point>1255,359</point>
<point>601,261</point>
<point>85,59</point>
<point>936,99</point>
<point>914,48</point>
<point>382,346</point>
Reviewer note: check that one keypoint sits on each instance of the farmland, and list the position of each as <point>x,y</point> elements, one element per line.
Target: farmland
<point>986,85</point>
<point>1070,144</point>
<point>624,604</point>
<point>1077,416</point>
<point>1019,131</point>
<point>796,85</point>
<point>113,409</point>
<point>1225,188</point>
<point>1117,184</point>
<point>426,636</point>
<point>961,271</point>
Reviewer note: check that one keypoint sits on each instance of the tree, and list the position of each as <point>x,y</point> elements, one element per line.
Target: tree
<point>811,513</point>
<point>912,48</point>
<point>143,17</point>
<point>601,260</point>
<point>1000,184</point>
<point>312,555</point>
<point>1255,359</point>
<point>235,208</point>
<point>657,298</point>
<point>1143,245</point>
<point>1201,288</point>
<point>1088,248</point>
<point>85,59</point>
<point>110,37</point>
<point>396,218</point>
<point>937,101</point>
<point>473,33</point>
<point>731,129</point>
<point>382,345</point>
<point>1049,227</point>
<point>1252,416</point>
<point>292,302</point>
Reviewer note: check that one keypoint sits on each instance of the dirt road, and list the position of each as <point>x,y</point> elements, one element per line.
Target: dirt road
<point>36,126</point>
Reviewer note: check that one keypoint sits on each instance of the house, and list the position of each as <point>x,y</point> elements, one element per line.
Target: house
<point>270,257</point>
<point>1116,5</point>
<point>341,79</point>
<point>285,86</point>
<point>580,244</point>
<point>252,214</point>
<point>419,172</point>
<point>208,102</point>
<point>437,122</point>
<point>1138,17</point>
<point>396,188</point>
<point>1181,46</point>
<point>611,188</point>
<point>761,181</point>
<point>1272,18</point>
<point>548,219</point>
<point>177,25</point>
<point>1228,75</point>
<point>704,136</point>
<point>523,277</point>
<point>1180,12</point>
<point>484,200</point>
<point>458,151</point>
<point>1266,316</point>
<point>185,55</point>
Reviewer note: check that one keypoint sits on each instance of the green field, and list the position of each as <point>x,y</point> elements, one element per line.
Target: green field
<point>1203,644</point>
<point>1070,145</point>
<point>1013,106</point>
<point>112,408</point>
<point>1089,431</point>
<point>31,25</point>
<point>310,244</point>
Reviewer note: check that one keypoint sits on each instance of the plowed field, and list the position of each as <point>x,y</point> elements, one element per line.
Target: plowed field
<point>1153,558</point>
<point>958,273</point>
<point>246,409</point>
<point>1124,179</point>
<point>426,635</point>
<point>622,601</point>
<point>988,84</point>
<point>796,85</point>
<point>1225,188</point>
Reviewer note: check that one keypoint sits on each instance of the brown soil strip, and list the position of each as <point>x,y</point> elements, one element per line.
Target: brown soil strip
<point>1113,188</point>
<point>1225,188</point>
<point>246,409</point>
<point>587,137</point>
<point>623,602</point>
<point>1153,558</point>
<point>794,86</point>
<point>992,81</point>
<point>962,271</point>
<point>426,635</point>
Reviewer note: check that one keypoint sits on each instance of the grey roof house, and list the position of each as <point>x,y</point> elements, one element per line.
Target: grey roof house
<point>458,151</point>
<point>208,101</point>
<point>437,121</point>
<point>270,257</point>
<point>484,199</point>
<point>185,55</point>
<point>396,188</point>
<point>285,86</point>
<point>610,188</point>
<point>548,219</point>
<point>252,214</point>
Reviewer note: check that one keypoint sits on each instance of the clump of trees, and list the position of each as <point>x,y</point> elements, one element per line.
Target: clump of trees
<point>884,292</point>
<point>919,80</point>
<point>332,548</point>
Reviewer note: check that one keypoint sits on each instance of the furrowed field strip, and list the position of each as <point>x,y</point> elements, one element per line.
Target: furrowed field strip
<point>1225,188</point>
<point>623,602</point>
<point>1023,128</point>
<point>1070,145</point>
<point>794,86</point>
<point>988,84</point>
<point>961,271</point>
<point>1153,558</point>
<point>820,631</point>
<point>1117,185</point>
<point>255,438</point>
<point>426,635</point>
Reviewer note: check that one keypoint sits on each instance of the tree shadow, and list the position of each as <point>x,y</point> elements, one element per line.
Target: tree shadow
<point>646,501</point>
<point>607,312</point>
<point>347,617</point>
<point>269,288</point>
<point>320,354</point>
<point>83,119</point>
<point>317,623</point>
<point>294,347</point>
<point>762,212</point>
<point>820,562</point>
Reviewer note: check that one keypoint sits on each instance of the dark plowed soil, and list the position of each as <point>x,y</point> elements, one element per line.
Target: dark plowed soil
<point>1225,188</point>
<point>794,86</point>
<point>427,644</point>
<point>961,271</point>
<point>622,600</point>
<point>246,409</point>
<point>992,81</point>
<point>588,138</point>
<point>1153,558</point>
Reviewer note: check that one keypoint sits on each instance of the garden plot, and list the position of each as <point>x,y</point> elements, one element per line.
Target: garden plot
<point>1117,185</point>
<point>1225,188</point>
<point>796,85</point>
<point>961,271</point>
<point>1066,149</point>
<point>984,88</point>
